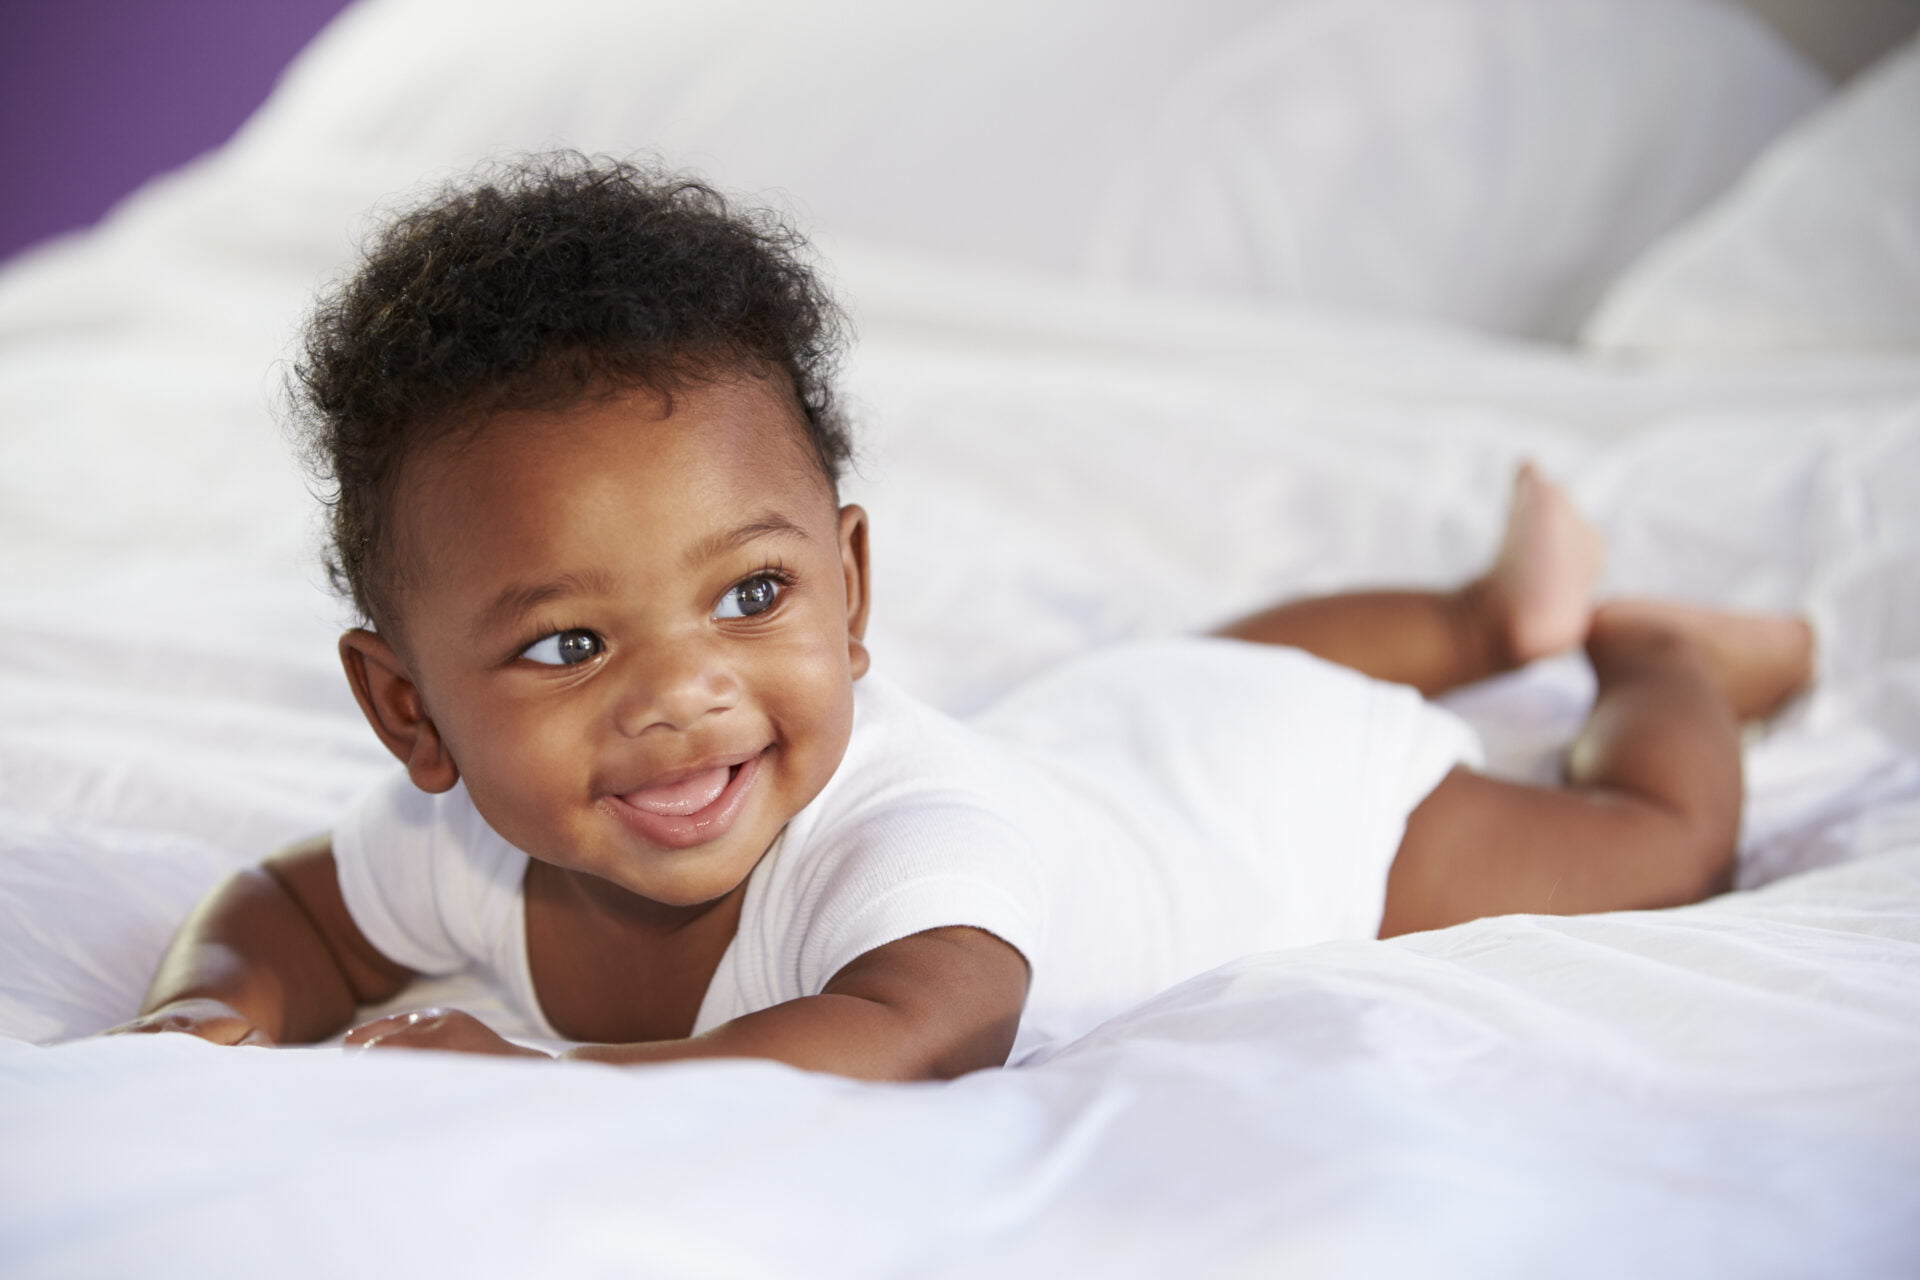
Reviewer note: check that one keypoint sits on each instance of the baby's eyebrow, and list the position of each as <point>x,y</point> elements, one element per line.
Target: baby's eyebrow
<point>515,601</point>
<point>766,524</point>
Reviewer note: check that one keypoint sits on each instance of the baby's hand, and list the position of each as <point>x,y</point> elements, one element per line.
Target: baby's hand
<point>435,1029</point>
<point>201,1016</point>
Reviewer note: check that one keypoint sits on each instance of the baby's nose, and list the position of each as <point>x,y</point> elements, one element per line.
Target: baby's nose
<point>673,686</point>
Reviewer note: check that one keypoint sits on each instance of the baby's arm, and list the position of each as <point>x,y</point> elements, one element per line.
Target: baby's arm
<point>271,956</point>
<point>929,1007</point>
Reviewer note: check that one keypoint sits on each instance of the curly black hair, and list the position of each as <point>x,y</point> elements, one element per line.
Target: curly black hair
<point>536,285</point>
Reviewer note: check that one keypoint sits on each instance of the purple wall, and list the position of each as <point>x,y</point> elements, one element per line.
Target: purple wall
<point>96,96</point>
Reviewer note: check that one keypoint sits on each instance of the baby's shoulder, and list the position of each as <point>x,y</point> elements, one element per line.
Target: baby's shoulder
<point>917,793</point>
<point>909,835</point>
<point>904,750</point>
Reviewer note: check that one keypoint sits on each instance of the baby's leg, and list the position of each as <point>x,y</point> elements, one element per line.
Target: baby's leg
<point>1534,601</point>
<point>1651,811</point>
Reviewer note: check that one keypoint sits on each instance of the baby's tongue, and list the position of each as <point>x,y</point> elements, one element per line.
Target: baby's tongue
<point>689,795</point>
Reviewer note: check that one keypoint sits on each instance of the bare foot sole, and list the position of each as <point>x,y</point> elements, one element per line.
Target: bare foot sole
<point>1759,660</point>
<point>1539,592</point>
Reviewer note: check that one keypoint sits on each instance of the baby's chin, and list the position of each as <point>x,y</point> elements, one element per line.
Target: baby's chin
<point>661,899</point>
<point>675,879</point>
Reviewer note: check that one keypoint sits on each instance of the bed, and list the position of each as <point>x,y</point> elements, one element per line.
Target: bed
<point>1162,315</point>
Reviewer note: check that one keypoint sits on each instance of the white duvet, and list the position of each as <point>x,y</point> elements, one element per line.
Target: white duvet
<point>1727,1089</point>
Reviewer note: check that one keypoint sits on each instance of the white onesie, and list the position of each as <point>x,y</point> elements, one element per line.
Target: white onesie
<point>1135,818</point>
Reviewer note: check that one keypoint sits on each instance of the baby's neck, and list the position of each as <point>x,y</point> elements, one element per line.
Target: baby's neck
<point>612,967</point>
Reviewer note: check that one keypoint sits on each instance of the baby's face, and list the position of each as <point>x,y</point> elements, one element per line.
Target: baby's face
<point>636,632</point>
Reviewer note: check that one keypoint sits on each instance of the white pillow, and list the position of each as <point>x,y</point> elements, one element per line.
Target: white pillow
<point>1478,162</point>
<point>1816,250</point>
<point>1491,163</point>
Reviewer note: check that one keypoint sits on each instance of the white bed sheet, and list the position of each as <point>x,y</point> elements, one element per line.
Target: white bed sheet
<point>1723,1090</point>
<point>1729,1089</point>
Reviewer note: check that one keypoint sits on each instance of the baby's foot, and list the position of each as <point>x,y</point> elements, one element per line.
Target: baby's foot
<point>1539,591</point>
<point>1759,660</point>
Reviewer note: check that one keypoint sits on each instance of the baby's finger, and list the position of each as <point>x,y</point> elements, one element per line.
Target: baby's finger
<point>396,1030</point>
<point>210,1020</point>
<point>448,1029</point>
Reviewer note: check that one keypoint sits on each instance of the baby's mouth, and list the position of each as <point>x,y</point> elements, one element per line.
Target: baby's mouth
<point>688,795</point>
<point>689,809</point>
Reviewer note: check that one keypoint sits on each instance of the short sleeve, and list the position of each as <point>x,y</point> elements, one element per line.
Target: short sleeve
<point>426,880</point>
<point>938,864</point>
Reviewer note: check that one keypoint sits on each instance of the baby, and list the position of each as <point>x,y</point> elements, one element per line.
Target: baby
<point>584,458</point>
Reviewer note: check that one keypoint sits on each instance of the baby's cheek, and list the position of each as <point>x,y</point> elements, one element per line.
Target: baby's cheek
<point>815,718</point>
<point>534,782</point>
<point>809,681</point>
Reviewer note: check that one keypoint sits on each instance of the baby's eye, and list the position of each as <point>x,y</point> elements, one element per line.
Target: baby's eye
<point>743,600</point>
<point>564,648</point>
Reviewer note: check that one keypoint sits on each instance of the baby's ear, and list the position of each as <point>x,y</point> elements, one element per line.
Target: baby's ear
<point>391,702</point>
<point>853,563</point>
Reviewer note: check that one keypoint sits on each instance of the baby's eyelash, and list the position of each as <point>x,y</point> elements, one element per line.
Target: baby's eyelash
<point>772,569</point>
<point>534,635</point>
<point>736,605</point>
